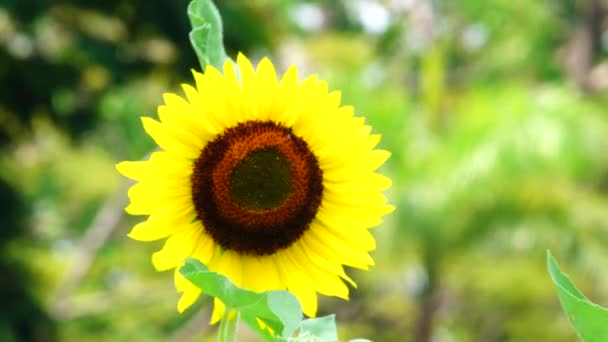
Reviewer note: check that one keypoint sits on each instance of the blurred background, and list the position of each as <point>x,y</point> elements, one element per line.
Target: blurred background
<point>494,110</point>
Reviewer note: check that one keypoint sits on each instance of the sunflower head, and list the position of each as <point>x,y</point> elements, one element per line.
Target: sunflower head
<point>271,183</point>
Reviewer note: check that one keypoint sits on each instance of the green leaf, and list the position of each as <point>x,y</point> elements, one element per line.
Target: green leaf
<point>206,36</point>
<point>320,329</point>
<point>590,320</point>
<point>279,310</point>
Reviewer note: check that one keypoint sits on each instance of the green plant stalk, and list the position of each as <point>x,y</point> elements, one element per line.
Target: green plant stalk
<point>228,326</point>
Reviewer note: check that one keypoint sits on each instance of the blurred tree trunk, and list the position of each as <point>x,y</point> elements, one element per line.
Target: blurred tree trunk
<point>585,43</point>
<point>429,300</point>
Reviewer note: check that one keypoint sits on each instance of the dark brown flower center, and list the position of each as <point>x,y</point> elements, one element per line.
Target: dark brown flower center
<point>256,188</point>
<point>262,180</point>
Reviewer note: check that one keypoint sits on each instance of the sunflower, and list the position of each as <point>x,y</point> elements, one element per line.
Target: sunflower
<point>270,183</point>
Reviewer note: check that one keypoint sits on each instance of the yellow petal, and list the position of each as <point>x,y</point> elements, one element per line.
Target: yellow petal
<point>228,263</point>
<point>267,84</point>
<point>178,111</point>
<point>148,207</point>
<point>338,219</point>
<point>355,199</point>
<point>167,141</point>
<point>246,68</point>
<point>162,191</point>
<point>234,104</point>
<point>190,292</point>
<point>356,217</point>
<point>368,182</point>
<point>133,169</point>
<point>287,90</point>
<point>213,100</point>
<point>218,311</point>
<point>177,248</point>
<point>336,250</point>
<point>146,231</point>
<point>319,119</point>
<point>365,164</point>
<point>160,226</point>
<point>308,94</point>
<point>356,237</point>
<point>318,259</point>
<point>174,119</point>
<point>297,284</point>
<point>348,145</point>
<point>325,283</point>
<point>368,207</point>
<point>165,212</point>
<point>248,86</point>
<point>205,248</point>
<point>335,155</point>
<point>160,165</point>
<point>192,95</point>
<point>290,79</point>
<point>188,298</point>
<point>260,274</point>
<point>266,75</point>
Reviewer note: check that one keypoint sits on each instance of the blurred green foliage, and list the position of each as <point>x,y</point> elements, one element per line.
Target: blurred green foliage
<point>494,112</point>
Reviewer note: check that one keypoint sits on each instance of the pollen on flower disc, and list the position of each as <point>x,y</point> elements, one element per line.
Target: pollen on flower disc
<point>256,188</point>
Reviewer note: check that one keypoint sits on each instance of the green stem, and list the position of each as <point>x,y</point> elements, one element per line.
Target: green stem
<point>228,326</point>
